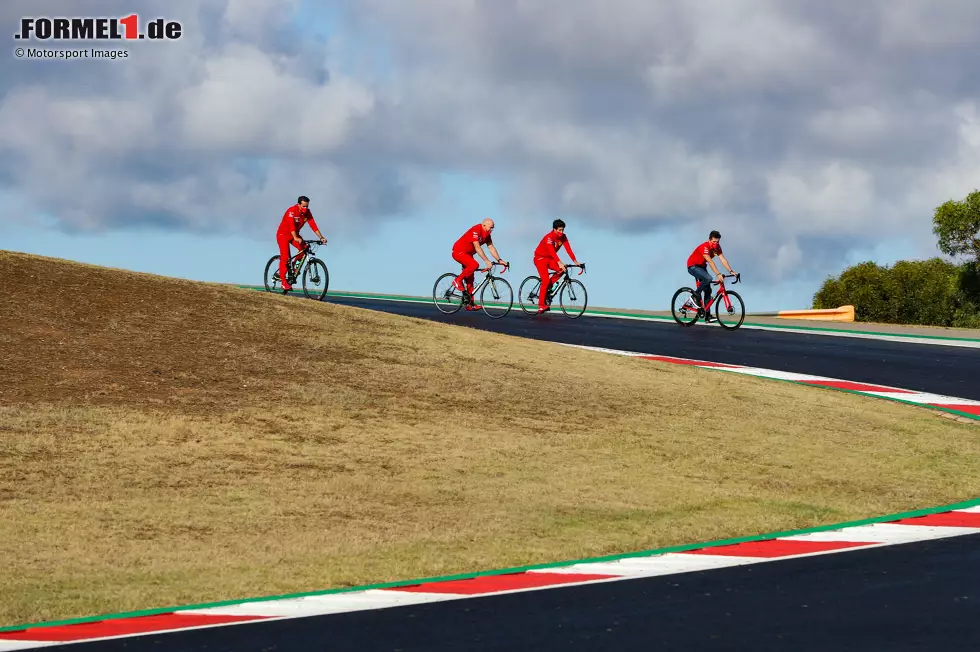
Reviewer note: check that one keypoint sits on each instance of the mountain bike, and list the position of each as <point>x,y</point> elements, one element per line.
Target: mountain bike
<point>691,310</point>
<point>571,293</point>
<point>314,271</point>
<point>449,299</point>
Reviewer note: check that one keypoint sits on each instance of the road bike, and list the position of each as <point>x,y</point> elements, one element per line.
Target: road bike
<point>687,308</point>
<point>314,270</point>
<point>571,293</point>
<point>449,299</point>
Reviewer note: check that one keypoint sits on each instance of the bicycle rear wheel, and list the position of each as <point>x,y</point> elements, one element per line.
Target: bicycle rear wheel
<point>501,297</point>
<point>684,307</point>
<point>445,295</point>
<point>272,281</point>
<point>573,299</point>
<point>316,279</point>
<point>527,295</point>
<point>730,310</point>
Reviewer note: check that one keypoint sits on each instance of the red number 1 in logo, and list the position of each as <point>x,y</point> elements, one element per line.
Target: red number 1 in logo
<point>131,23</point>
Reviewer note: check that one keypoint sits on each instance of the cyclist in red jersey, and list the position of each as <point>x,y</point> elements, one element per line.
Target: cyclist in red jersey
<point>546,260</point>
<point>698,262</point>
<point>468,244</point>
<point>288,233</point>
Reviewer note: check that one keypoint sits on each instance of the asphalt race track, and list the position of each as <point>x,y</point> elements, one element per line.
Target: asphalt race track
<point>914,596</point>
<point>945,370</point>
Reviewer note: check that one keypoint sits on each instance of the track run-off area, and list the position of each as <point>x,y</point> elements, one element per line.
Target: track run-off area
<point>898,582</point>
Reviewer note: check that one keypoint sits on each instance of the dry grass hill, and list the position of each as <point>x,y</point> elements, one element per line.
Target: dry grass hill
<point>167,442</point>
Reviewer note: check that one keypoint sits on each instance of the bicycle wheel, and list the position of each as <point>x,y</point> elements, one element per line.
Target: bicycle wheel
<point>272,281</point>
<point>573,299</point>
<point>732,310</point>
<point>501,297</point>
<point>685,311</point>
<point>316,279</point>
<point>445,295</point>
<point>527,296</point>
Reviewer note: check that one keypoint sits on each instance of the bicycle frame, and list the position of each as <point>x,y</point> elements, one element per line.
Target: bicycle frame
<point>556,287</point>
<point>720,293</point>
<point>487,278</point>
<point>296,262</point>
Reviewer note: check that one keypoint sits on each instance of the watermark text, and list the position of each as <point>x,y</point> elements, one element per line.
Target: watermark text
<point>86,53</point>
<point>97,29</point>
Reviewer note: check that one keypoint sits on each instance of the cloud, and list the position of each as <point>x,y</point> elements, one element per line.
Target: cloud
<point>209,131</point>
<point>786,121</point>
<point>835,198</point>
<point>807,130</point>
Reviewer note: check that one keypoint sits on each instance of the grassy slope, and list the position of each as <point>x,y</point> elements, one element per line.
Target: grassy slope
<point>165,442</point>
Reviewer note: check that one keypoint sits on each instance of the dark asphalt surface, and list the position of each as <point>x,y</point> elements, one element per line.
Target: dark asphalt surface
<point>952,371</point>
<point>918,596</point>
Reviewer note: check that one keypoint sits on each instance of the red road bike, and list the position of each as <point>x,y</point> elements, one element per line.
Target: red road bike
<point>686,306</point>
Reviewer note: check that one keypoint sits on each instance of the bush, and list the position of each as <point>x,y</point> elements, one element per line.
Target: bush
<point>866,286</point>
<point>929,292</point>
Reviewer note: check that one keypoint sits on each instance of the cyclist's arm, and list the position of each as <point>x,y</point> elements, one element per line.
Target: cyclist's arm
<point>711,264</point>
<point>479,251</point>
<point>316,229</point>
<point>493,252</point>
<point>725,261</point>
<point>571,254</point>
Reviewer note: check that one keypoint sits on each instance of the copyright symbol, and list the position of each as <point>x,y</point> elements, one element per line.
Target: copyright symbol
<point>19,52</point>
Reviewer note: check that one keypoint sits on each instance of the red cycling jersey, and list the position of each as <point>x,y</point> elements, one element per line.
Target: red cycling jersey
<point>465,245</point>
<point>293,220</point>
<point>550,244</point>
<point>707,248</point>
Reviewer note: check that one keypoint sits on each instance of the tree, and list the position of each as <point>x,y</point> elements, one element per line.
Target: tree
<point>957,224</point>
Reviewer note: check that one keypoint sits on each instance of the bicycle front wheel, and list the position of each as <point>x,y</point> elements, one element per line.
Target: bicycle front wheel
<point>316,279</point>
<point>527,296</point>
<point>445,295</point>
<point>684,307</point>
<point>730,310</point>
<point>501,297</point>
<point>272,281</point>
<point>573,299</point>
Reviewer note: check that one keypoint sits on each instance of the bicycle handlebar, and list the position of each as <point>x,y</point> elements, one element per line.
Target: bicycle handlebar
<point>582,265</point>
<point>487,269</point>
<point>737,277</point>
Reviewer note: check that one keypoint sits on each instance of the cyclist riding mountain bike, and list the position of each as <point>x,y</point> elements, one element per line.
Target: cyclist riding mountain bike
<point>468,244</point>
<point>698,262</point>
<point>288,234</point>
<point>546,261</point>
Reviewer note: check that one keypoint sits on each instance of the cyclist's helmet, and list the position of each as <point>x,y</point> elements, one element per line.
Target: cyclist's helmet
<point>557,224</point>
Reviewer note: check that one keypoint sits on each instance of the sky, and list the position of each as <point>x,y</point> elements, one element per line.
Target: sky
<point>812,135</point>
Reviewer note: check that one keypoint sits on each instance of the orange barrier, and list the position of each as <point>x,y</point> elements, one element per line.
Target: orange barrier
<point>843,313</point>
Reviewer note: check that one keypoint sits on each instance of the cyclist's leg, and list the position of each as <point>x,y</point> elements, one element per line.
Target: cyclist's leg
<point>283,242</point>
<point>543,265</point>
<point>469,267</point>
<point>703,275</point>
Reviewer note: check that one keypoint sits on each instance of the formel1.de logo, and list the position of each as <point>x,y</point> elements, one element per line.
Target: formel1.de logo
<point>97,29</point>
